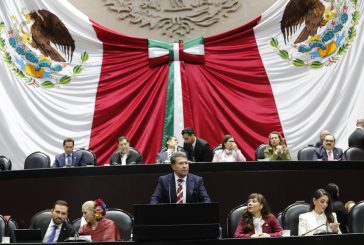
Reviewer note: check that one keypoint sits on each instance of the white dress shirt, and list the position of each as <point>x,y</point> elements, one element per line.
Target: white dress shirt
<point>49,231</point>
<point>123,158</point>
<point>183,186</point>
<point>311,220</point>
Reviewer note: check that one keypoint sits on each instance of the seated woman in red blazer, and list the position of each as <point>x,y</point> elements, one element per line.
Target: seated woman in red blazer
<point>257,220</point>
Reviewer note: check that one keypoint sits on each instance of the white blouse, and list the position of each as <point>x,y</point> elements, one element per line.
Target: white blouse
<point>311,220</point>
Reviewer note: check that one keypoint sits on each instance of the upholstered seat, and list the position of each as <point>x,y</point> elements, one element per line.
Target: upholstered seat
<point>354,153</point>
<point>306,153</point>
<point>356,218</point>
<point>290,216</point>
<point>259,152</point>
<point>37,160</point>
<point>234,218</point>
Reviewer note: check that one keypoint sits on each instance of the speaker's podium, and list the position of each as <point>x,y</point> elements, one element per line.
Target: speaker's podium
<point>190,221</point>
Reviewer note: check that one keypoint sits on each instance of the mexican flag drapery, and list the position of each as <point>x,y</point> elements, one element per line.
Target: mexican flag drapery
<point>63,75</point>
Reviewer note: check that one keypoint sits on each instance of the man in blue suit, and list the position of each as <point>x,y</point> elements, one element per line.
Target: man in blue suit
<point>328,151</point>
<point>69,158</point>
<point>180,186</point>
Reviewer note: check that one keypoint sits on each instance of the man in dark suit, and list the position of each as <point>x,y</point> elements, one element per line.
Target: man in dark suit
<point>328,151</point>
<point>125,155</point>
<point>356,139</point>
<point>69,157</point>
<point>180,186</point>
<point>172,146</point>
<point>198,150</point>
<point>56,228</point>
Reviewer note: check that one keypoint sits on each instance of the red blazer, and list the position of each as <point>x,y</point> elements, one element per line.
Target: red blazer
<point>271,226</point>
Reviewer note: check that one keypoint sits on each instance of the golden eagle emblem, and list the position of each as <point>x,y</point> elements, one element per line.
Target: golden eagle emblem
<point>48,29</point>
<point>311,12</point>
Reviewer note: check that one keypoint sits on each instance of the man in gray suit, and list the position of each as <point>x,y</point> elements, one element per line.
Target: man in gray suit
<point>172,146</point>
<point>69,158</point>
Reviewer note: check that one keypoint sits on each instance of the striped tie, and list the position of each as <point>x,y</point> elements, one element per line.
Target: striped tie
<point>180,191</point>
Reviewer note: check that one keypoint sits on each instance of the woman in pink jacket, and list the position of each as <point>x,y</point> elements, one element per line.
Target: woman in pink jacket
<point>229,151</point>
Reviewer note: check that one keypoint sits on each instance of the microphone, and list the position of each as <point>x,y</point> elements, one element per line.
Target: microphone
<point>77,236</point>
<point>313,229</point>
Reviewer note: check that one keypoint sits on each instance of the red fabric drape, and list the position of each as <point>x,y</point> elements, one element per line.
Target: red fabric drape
<point>231,93</point>
<point>130,98</point>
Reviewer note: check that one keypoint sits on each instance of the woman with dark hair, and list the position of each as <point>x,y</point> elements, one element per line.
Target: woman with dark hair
<point>320,219</point>
<point>338,207</point>
<point>229,151</point>
<point>257,220</point>
<point>99,228</point>
<point>276,149</point>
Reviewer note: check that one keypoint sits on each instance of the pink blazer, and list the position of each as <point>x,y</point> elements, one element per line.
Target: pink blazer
<point>219,156</point>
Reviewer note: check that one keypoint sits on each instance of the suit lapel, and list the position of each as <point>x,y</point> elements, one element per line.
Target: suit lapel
<point>63,159</point>
<point>196,151</point>
<point>172,189</point>
<point>336,153</point>
<point>62,233</point>
<point>324,154</point>
<point>74,158</point>
<point>189,188</point>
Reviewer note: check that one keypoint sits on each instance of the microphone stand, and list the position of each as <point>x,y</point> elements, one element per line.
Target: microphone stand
<point>313,229</point>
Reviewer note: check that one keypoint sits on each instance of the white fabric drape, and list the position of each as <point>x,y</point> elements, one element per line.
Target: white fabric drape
<point>33,118</point>
<point>309,100</point>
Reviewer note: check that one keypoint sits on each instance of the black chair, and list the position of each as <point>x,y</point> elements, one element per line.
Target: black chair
<point>40,218</point>
<point>306,153</point>
<point>37,160</point>
<point>356,218</point>
<point>123,220</point>
<point>218,147</point>
<point>354,153</point>
<point>5,163</point>
<point>2,226</point>
<point>88,157</point>
<point>259,152</point>
<point>12,225</point>
<point>76,223</point>
<point>291,214</point>
<point>234,218</point>
<point>279,218</point>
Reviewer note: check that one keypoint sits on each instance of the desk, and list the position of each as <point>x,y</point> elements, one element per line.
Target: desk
<point>25,192</point>
<point>346,239</point>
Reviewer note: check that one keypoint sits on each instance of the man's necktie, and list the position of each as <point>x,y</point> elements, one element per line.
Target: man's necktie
<point>69,160</point>
<point>180,191</point>
<point>329,157</point>
<point>53,234</point>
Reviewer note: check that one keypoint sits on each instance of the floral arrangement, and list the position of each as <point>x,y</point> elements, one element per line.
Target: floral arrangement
<point>100,209</point>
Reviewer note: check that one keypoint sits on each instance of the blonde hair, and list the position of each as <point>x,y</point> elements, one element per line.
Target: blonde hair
<point>89,205</point>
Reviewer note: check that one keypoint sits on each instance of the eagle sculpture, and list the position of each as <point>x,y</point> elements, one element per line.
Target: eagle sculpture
<point>298,11</point>
<point>48,29</point>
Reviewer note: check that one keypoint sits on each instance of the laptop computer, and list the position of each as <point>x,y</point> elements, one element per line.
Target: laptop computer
<point>176,221</point>
<point>27,236</point>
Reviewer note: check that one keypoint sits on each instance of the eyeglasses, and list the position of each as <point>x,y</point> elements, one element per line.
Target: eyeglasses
<point>329,141</point>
